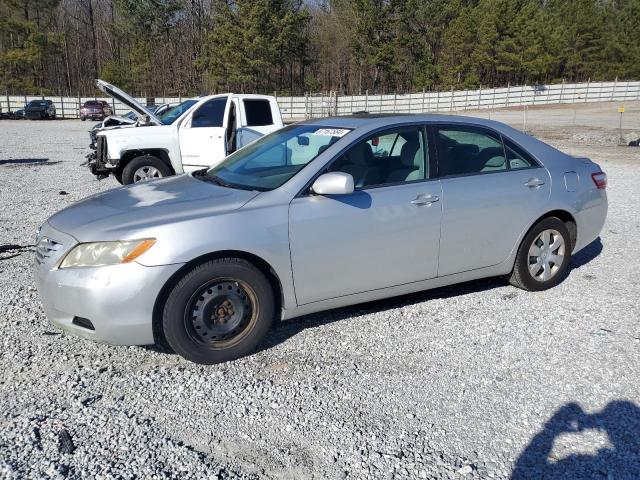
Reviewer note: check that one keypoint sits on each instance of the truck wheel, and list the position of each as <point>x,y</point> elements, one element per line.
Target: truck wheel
<point>144,168</point>
<point>219,311</point>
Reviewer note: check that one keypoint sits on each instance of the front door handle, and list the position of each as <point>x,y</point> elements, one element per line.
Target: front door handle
<point>423,199</point>
<point>534,183</point>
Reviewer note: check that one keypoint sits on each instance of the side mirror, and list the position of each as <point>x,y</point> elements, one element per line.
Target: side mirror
<point>303,141</point>
<point>334,183</point>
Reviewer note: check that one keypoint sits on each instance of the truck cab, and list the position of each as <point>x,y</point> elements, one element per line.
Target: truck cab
<point>196,134</point>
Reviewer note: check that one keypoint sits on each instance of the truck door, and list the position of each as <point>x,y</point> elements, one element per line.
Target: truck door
<point>203,134</point>
<point>257,118</point>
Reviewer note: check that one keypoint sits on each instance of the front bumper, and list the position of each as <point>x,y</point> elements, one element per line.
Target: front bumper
<point>37,115</point>
<point>117,300</point>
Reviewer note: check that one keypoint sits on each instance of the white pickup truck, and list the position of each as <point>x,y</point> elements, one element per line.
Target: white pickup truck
<point>196,134</point>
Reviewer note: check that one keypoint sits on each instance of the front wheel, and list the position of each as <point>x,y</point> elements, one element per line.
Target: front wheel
<point>543,256</point>
<point>219,311</point>
<point>144,168</point>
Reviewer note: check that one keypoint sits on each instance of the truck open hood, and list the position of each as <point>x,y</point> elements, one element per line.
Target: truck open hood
<point>128,100</point>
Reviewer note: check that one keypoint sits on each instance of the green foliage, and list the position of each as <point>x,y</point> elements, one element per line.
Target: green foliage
<point>256,44</point>
<point>158,47</point>
<point>27,47</point>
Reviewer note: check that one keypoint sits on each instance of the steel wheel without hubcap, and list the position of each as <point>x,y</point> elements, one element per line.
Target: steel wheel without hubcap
<point>146,173</point>
<point>546,255</point>
<point>220,313</point>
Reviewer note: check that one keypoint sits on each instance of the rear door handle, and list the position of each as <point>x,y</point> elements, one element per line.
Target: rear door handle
<point>534,183</point>
<point>425,199</point>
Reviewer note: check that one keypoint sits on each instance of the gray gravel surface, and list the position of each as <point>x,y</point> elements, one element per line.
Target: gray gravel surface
<point>479,380</point>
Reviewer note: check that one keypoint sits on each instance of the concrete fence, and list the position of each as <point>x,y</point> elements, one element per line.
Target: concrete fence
<point>320,105</point>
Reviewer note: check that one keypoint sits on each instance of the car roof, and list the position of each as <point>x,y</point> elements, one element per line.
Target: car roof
<point>364,122</point>
<point>371,121</point>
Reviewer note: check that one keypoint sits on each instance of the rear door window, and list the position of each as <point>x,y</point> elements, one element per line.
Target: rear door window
<point>257,112</point>
<point>518,158</point>
<point>464,150</point>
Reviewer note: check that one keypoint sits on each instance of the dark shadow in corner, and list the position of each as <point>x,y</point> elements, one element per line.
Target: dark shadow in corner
<point>620,420</point>
<point>21,161</point>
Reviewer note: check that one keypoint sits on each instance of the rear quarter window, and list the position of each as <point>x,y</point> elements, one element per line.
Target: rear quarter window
<point>257,112</point>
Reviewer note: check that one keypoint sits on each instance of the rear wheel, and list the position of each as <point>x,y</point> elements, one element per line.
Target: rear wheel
<point>543,256</point>
<point>144,168</point>
<point>219,311</point>
<point>83,118</point>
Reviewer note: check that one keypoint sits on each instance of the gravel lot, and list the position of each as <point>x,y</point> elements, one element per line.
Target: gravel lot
<point>479,380</point>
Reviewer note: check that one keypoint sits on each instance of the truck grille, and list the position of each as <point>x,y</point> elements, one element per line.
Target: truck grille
<point>47,250</point>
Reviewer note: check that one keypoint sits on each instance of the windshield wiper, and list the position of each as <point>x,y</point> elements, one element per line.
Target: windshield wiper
<point>202,175</point>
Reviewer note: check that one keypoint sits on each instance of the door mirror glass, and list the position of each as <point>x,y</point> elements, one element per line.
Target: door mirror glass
<point>303,140</point>
<point>333,183</point>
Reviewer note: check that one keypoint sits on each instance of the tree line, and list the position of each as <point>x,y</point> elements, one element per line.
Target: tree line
<point>188,47</point>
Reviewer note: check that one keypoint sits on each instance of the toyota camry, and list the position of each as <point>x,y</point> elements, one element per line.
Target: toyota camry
<point>318,215</point>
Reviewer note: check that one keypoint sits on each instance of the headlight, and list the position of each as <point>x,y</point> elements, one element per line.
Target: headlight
<point>98,254</point>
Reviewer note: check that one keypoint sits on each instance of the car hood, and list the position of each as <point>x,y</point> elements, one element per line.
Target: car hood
<point>122,212</point>
<point>128,100</point>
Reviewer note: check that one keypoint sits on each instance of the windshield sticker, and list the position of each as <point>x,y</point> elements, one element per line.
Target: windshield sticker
<point>332,132</point>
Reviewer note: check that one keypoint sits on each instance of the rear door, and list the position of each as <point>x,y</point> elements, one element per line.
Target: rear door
<point>203,133</point>
<point>490,193</point>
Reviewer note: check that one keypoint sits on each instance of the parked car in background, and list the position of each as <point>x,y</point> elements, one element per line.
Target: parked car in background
<point>40,109</point>
<point>211,128</point>
<point>95,110</point>
<point>318,215</point>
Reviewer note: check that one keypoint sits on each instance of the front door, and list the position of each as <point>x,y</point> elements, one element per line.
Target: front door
<point>202,135</point>
<point>384,234</point>
<point>491,191</point>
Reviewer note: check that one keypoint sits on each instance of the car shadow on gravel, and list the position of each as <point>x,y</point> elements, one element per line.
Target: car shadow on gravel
<point>585,255</point>
<point>551,454</point>
<point>22,161</point>
<point>282,331</point>
<point>287,329</point>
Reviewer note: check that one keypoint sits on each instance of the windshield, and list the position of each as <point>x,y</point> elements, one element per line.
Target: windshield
<point>37,103</point>
<point>272,160</point>
<point>170,116</point>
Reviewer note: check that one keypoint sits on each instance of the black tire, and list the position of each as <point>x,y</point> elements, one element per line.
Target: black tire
<point>190,322</point>
<point>130,169</point>
<point>83,118</point>
<point>521,275</point>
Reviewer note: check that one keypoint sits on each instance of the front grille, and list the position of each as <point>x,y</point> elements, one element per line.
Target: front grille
<point>47,249</point>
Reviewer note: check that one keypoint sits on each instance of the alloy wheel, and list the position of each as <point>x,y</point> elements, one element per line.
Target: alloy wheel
<point>146,173</point>
<point>546,255</point>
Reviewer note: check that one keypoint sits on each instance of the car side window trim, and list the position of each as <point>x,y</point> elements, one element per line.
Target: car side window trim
<point>434,127</point>
<point>306,190</point>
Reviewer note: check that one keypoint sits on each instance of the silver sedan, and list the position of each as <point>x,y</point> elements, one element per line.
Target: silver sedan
<point>318,215</point>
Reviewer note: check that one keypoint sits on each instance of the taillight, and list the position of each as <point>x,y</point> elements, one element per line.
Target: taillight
<point>600,179</point>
